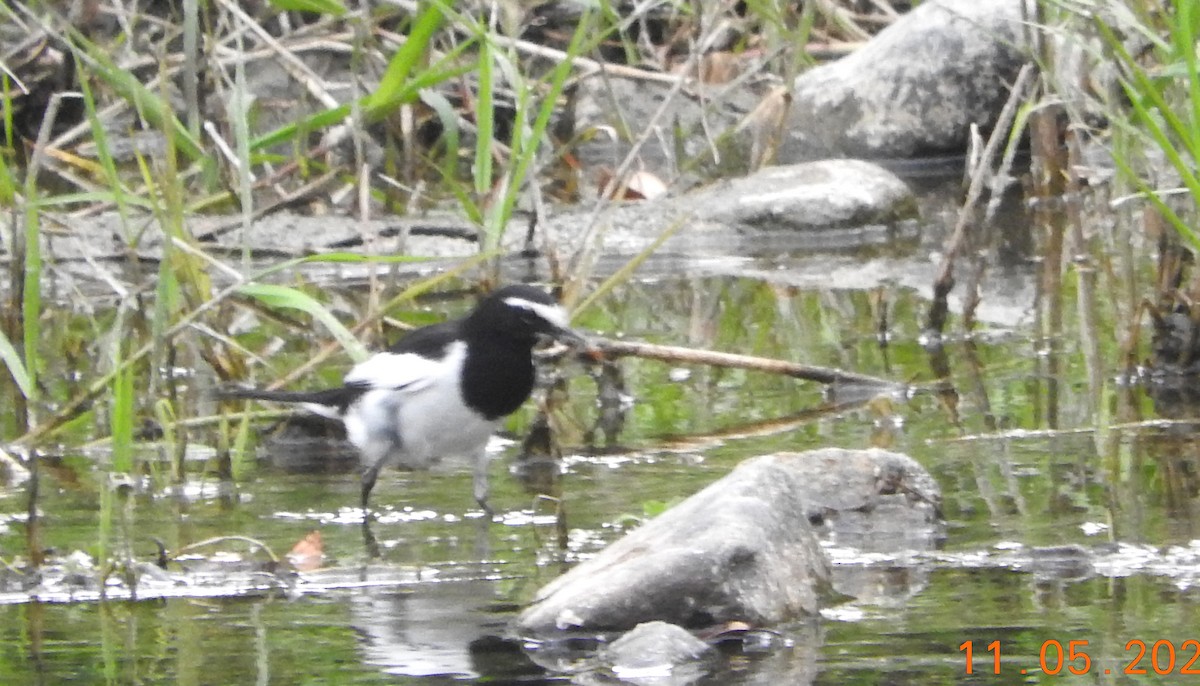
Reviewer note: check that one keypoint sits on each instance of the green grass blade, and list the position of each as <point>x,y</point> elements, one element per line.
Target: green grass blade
<point>1173,130</point>
<point>1187,16</point>
<point>378,107</point>
<point>446,69</point>
<point>399,84</point>
<point>337,258</point>
<point>156,111</point>
<point>8,182</point>
<point>533,136</point>
<point>31,304</point>
<point>331,7</point>
<point>65,200</point>
<point>274,295</point>
<point>107,163</point>
<point>485,119</point>
<point>122,420</point>
<point>243,458</point>
<point>448,118</point>
<point>314,122</point>
<point>6,99</point>
<point>12,359</point>
<point>622,275</point>
<point>394,86</point>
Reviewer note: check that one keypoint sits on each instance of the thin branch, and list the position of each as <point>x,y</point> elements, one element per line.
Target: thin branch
<point>713,358</point>
<point>225,539</point>
<point>979,175</point>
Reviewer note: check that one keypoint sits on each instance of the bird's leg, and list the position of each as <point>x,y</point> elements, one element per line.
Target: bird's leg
<point>369,475</point>
<point>369,541</point>
<point>480,482</point>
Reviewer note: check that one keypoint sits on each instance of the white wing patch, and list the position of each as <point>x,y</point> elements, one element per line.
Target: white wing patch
<point>326,411</point>
<point>551,313</point>
<point>413,412</point>
<point>406,371</point>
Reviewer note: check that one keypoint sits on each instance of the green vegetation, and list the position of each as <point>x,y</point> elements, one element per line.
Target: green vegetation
<point>1154,52</point>
<point>463,110</point>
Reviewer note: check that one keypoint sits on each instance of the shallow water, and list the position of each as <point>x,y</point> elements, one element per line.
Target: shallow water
<point>1070,498</point>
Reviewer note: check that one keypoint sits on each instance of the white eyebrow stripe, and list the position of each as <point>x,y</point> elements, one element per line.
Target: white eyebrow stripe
<point>551,313</point>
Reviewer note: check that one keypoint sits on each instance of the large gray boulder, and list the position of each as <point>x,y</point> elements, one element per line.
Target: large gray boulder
<point>912,91</point>
<point>915,88</point>
<point>741,549</point>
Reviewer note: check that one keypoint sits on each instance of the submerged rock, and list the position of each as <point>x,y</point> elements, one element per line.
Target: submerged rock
<point>742,549</point>
<point>656,651</point>
<point>872,505</point>
<point>824,205</point>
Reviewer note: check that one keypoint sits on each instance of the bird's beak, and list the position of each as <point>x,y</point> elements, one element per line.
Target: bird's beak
<point>584,346</point>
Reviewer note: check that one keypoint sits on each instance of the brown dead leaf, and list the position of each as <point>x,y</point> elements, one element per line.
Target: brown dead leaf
<point>638,185</point>
<point>721,67</point>
<point>308,553</point>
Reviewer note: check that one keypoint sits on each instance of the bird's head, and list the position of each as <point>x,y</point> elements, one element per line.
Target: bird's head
<point>525,313</point>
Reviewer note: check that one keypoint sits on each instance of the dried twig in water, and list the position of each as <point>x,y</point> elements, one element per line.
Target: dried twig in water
<point>224,539</point>
<point>979,175</point>
<point>714,358</point>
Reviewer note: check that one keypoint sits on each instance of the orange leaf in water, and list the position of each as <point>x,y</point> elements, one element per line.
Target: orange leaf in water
<point>308,552</point>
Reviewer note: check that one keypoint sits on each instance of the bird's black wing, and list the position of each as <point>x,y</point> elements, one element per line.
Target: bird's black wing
<point>431,341</point>
<point>410,363</point>
<point>336,399</point>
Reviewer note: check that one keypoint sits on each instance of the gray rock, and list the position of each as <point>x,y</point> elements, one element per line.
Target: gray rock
<point>824,205</point>
<point>656,652</point>
<point>813,195</point>
<point>619,110</point>
<point>915,89</point>
<point>106,236</point>
<point>744,549</point>
<point>875,500</point>
<point>741,549</point>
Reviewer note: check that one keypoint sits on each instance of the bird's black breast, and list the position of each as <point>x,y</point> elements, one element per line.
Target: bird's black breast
<point>497,378</point>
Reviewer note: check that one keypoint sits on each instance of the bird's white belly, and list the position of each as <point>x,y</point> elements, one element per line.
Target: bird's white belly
<point>414,429</point>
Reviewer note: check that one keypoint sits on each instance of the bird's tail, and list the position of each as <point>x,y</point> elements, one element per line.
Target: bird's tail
<point>331,402</point>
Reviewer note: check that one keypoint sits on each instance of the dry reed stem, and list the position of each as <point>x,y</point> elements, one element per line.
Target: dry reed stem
<point>979,175</point>
<point>678,354</point>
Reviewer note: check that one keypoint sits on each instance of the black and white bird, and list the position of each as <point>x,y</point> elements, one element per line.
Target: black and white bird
<point>443,389</point>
